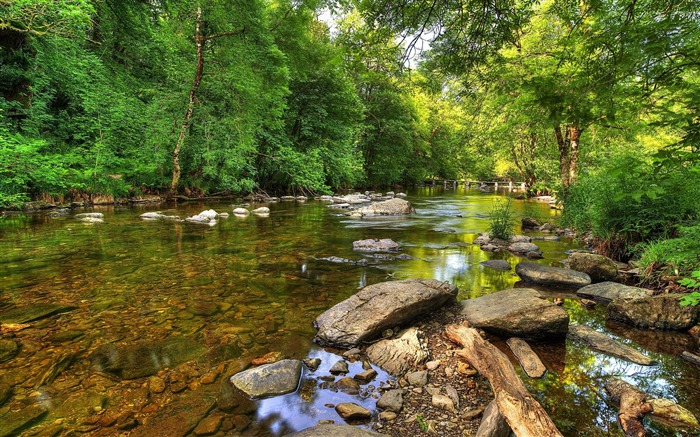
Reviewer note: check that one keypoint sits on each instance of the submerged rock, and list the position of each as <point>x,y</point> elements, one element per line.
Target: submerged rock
<point>363,316</point>
<point>600,342</point>
<point>179,417</point>
<point>375,245</point>
<point>388,207</point>
<point>31,313</point>
<point>497,264</point>
<point>262,211</point>
<point>144,358</point>
<point>660,312</point>
<point>608,291</point>
<point>159,216</point>
<point>398,356</point>
<point>268,380</point>
<point>553,276</point>
<point>8,350</point>
<point>598,267</point>
<point>519,312</point>
<point>12,423</point>
<point>335,431</point>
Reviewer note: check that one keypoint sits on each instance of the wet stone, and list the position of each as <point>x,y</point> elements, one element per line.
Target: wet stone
<point>339,367</point>
<point>274,379</point>
<point>352,411</point>
<point>497,264</point>
<point>156,384</point>
<point>209,425</point>
<point>366,376</point>
<point>348,385</point>
<point>8,350</point>
<point>312,363</point>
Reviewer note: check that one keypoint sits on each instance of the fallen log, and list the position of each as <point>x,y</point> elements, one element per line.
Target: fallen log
<point>528,359</point>
<point>633,407</point>
<point>691,357</point>
<point>523,413</point>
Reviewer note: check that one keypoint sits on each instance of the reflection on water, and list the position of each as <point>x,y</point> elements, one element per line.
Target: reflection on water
<point>252,285</point>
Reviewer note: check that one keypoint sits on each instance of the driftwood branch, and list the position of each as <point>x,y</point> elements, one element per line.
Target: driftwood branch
<point>523,413</point>
<point>633,407</point>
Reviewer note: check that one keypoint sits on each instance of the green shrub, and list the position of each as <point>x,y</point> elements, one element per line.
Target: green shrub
<point>675,256</point>
<point>633,200</point>
<point>501,225</point>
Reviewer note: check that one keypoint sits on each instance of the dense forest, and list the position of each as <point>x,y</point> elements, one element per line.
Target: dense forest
<point>595,100</point>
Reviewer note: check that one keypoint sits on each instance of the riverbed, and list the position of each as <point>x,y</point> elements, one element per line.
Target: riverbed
<point>205,300</point>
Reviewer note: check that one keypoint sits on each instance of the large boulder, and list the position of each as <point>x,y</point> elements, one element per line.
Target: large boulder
<point>553,276</point>
<point>399,355</point>
<point>388,207</point>
<point>364,315</point>
<point>519,312</point>
<point>598,267</point>
<point>608,291</point>
<point>660,312</point>
<point>268,380</point>
<point>335,431</point>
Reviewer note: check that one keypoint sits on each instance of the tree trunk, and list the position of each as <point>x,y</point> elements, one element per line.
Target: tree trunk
<point>564,144</point>
<point>523,413</point>
<point>573,153</point>
<point>199,72</point>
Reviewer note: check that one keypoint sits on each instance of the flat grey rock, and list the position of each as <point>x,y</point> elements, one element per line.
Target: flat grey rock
<point>552,276</point>
<point>375,308</point>
<point>268,380</point>
<point>609,291</point>
<point>518,312</point>
<point>399,355</point>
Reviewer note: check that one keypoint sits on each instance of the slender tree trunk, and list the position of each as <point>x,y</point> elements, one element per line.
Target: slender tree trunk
<point>573,153</point>
<point>564,147</point>
<point>199,40</point>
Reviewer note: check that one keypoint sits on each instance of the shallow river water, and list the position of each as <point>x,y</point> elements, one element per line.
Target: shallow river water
<point>199,302</point>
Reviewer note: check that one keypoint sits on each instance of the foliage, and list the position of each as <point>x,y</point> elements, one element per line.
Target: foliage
<point>674,256</point>
<point>694,283</point>
<point>501,219</point>
<point>631,200</point>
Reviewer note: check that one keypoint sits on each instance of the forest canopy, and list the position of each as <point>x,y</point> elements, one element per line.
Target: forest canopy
<point>200,97</point>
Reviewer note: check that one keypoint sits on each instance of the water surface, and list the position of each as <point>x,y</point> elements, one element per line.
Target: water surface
<point>248,286</point>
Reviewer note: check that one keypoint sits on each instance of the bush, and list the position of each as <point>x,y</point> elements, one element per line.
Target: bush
<point>675,256</point>
<point>501,225</point>
<point>633,200</point>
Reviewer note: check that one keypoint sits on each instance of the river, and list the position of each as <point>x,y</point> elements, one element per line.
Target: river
<point>207,299</point>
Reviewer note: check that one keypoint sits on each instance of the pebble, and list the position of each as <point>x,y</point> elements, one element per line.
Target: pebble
<point>443,402</point>
<point>432,365</point>
<point>387,415</point>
